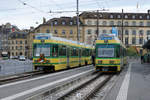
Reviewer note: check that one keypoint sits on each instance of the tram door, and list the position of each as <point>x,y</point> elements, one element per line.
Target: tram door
<point>79,56</point>
<point>68,55</point>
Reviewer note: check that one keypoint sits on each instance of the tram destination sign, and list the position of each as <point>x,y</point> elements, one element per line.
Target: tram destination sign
<point>43,36</point>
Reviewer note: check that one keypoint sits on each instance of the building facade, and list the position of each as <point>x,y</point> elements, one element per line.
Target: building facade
<point>133,27</point>
<point>18,44</point>
<point>5,31</point>
<point>64,27</point>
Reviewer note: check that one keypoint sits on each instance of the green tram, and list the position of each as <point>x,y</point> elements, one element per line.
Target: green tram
<point>53,53</point>
<point>110,54</point>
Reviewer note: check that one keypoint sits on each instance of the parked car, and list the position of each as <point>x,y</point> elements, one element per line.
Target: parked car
<point>22,58</point>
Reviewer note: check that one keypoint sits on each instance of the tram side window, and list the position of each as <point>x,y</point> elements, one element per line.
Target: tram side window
<point>83,52</point>
<point>118,52</point>
<point>75,52</point>
<point>87,52</point>
<point>62,51</point>
<point>55,51</point>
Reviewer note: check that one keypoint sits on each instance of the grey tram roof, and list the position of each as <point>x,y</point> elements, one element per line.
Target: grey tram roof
<point>51,37</point>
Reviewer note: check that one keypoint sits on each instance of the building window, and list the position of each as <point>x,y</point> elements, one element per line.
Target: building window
<point>16,54</point>
<point>111,22</point>
<point>119,32</point>
<point>126,32</point>
<point>89,31</point>
<point>12,54</point>
<point>133,40</point>
<point>95,22</point>
<point>20,42</point>
<point>141,32</point>
<point>126,16</point>
<point>148,23</point>
<point>20,47</point>
<point>119,16</point>
<point>126,23</point>
<point>148,32</point>
<point>47,31</point>
<point>141,41</point>
<point>133,17</point>
<point>111,16</point>
<point>141,17</point>
<point>25,41</point>
<point>71,32</point>
<point>104,31</point>
<point>126,40</point>
<point>104,23</point>
<point>95,31</point>
<point>12,42</point>
<point>38,30</point>
<point>119,23</point>
<point>71,23</point>
<point>133,32</point>
<point>63,22</point>
<point>12,48</point>
<point>55,31</point>
<point>16,47</point>
<point>89,22</point>
<point>55,22</point>
<point>148,17</point>
<point>141,24</point>
<point>16,42</point>
<point>63,32</point>
<point>134,23</point>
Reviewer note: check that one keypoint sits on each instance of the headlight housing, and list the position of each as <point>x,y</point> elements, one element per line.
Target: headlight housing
<point>100,62</point>
<point>35,61</point>
<point>111,62</point>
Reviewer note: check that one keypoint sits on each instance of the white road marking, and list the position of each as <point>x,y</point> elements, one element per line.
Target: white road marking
<point>38,78</point>
<point>123,92</point>
<point>15,96</point>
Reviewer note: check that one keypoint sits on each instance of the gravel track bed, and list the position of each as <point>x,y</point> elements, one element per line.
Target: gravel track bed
<point>78,95</point>
<point>59,92</point>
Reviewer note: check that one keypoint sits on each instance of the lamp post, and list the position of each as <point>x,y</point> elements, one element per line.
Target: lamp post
<point>78,31</point>
<point>122,25</point>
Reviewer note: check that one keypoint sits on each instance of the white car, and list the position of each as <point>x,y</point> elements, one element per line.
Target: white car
<point>22,58</point>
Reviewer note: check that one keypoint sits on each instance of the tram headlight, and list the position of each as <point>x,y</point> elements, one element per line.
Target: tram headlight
<point>47,61</point>
<point>100,62</point>
<point>111,62</point>
<point>35,61</point>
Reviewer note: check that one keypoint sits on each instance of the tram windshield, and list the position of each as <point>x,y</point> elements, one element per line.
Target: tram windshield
<point>42,49</point>
<point>106,51</point>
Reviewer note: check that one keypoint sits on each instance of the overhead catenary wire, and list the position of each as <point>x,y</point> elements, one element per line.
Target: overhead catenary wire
<point>31,6</point>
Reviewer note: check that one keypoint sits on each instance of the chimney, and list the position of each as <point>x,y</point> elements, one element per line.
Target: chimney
<point>148,11</point>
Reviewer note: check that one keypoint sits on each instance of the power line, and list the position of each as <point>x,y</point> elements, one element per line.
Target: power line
<point>31,6</point>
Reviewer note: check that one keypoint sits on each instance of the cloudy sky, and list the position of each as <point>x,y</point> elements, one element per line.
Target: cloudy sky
<point>26,13</point>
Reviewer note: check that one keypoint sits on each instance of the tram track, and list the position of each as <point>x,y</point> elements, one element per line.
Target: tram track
<point>88,89</point>
<point>83,88</point>
<point>22,76</point>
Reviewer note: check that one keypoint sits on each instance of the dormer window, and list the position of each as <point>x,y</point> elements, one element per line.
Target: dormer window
<point>100,15</point>
<point>133,17</point>
<point>111,16</point>
<point>119,16</point>
<point>148,17</point>
<point>55,22</point>
<point>63,22</point>
<point>71,23</point>
<point>126,16</point>
<point>140,17</point>
<point>89,22</point>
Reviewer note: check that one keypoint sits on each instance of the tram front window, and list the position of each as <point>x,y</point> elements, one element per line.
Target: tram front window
<point>106,51</point>
<point>41,49</point>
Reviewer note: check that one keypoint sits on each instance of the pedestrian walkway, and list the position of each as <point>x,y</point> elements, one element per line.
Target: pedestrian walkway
<point>133,84</point>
